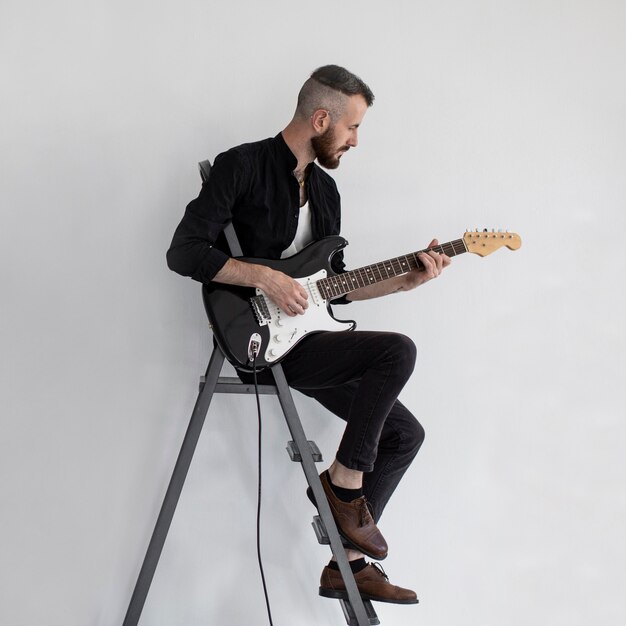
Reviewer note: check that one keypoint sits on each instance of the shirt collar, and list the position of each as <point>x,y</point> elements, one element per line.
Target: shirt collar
<point>285,153</point>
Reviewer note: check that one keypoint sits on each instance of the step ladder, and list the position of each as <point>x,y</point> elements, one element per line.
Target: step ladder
<point>358,612</point>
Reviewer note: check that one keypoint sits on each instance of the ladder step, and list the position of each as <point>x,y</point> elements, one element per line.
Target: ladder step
<point>321,534</point>
<point>294,453</point>
<point>232,384</point>
<point>351,619</point>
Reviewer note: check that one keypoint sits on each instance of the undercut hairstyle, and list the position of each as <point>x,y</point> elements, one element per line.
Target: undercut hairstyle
<point>327,89</point>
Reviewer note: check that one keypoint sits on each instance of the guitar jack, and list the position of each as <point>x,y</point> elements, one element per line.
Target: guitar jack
<point>254,347</point>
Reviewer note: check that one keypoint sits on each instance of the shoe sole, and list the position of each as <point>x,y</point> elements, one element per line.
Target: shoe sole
<point>336,594</point>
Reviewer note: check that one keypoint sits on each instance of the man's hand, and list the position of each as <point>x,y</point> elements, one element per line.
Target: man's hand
<point>434,263</point>
<point>283,290</point>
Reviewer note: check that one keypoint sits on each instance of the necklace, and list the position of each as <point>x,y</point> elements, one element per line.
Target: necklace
<point>300,180</point>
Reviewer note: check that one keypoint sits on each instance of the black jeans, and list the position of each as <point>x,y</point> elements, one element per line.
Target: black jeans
<point>358,375</point>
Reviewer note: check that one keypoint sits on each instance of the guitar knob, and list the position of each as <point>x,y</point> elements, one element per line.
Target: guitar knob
<point>273,352</point>
<point>277,338</point>
<point>279,322</point>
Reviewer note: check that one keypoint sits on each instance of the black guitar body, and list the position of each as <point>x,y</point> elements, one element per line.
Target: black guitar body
<point>234,321</point>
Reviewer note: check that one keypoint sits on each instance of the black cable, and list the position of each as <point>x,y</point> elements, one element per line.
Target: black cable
<point>258,509</point>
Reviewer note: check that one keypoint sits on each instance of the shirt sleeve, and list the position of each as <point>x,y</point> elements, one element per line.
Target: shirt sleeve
<point>192,251</point>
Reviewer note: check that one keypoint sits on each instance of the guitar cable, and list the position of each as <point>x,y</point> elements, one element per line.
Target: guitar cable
<point>254,351</point>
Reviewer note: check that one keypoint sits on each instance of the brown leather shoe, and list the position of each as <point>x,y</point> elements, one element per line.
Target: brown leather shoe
<point>372,583</point>
<point>355,523</point>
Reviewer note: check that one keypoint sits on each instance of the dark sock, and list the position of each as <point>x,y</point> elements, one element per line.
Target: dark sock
<point>355,566</point>
<point>345,495</point>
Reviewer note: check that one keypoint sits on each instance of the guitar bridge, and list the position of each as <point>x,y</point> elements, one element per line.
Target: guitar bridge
<point>260,310</point>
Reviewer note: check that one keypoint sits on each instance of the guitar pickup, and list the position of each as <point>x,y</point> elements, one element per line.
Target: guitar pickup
<point>260,310</point>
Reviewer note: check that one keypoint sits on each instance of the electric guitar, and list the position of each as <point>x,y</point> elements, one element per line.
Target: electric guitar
<point>246,323</point>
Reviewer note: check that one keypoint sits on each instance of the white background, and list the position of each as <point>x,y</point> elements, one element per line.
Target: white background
<point>489,113</point>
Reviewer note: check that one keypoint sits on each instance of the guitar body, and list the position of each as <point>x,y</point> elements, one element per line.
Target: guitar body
<point>239,315</point>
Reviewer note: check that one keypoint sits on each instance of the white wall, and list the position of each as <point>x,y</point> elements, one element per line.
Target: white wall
<point>489,113</point>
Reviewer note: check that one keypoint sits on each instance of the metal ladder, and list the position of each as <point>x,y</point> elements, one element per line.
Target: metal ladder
<point>356,611</point>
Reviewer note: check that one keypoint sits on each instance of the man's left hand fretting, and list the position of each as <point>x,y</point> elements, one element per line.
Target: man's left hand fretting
<point>434,263</point>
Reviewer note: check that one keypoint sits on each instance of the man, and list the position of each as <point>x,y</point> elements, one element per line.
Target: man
<point>280,200</point>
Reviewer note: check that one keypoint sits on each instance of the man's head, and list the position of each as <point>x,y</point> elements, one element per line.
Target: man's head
<point>329,88</point>
<point>333,101</point>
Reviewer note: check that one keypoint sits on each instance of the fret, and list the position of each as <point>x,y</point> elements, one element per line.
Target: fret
<point>336,285</point>
<point>355,279</point>
<point>360,279</point>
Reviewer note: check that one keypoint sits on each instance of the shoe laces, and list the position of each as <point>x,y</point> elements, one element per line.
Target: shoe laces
<point>379,568</point>
<point>364,512</point>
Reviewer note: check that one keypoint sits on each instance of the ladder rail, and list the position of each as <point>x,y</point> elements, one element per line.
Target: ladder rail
<point>308,465</point>
<point>172,495</point>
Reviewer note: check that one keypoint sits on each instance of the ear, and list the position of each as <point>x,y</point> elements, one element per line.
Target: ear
<point>320,120</point>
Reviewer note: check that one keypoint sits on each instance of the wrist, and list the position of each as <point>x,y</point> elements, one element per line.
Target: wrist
<point>409,281</point>
<point>261,276</point>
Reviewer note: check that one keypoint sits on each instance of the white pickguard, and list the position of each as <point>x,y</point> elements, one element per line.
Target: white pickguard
<point>286,331</point>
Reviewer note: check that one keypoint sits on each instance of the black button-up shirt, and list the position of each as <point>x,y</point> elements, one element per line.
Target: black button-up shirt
<point>253,185</point>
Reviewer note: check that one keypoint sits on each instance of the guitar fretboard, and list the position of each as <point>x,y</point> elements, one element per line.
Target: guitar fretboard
<point>341,284</point>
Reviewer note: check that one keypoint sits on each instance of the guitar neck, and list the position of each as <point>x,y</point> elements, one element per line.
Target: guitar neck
<point>341,284</point>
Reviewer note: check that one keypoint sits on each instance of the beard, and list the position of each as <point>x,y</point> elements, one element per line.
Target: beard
<point>325,150</point>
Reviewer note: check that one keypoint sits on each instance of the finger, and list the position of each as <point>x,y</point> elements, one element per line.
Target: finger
<point>300,295</point>
<point>429,264</point>
<point>303,301</point>
<point>435,259</point>
<point>436,256</point>
<point>439,261</point>
<point>446,260</point>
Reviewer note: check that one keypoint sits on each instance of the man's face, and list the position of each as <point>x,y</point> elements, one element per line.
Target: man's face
<point>341,135</point>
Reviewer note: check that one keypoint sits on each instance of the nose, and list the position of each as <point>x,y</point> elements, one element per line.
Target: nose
<point>353,141</point>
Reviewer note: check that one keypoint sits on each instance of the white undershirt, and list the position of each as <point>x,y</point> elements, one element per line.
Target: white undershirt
<point>304,234</point>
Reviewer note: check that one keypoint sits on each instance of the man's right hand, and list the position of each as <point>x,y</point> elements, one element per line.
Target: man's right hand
<point>283,290</point>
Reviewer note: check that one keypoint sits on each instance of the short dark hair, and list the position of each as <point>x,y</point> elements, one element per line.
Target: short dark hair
<point>341,79</point>
<point>325,88</point>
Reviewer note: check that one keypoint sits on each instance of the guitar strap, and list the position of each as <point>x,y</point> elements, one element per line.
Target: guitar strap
<point>229,231</point>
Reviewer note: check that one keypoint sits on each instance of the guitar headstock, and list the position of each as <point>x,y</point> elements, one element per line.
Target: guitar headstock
<point>484,242</point>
